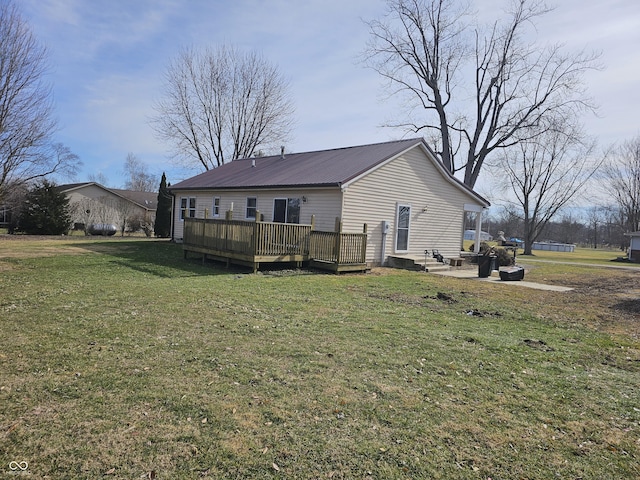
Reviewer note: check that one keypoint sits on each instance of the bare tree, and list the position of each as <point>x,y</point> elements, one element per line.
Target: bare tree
<point>545,173</point>
<point>26,107</point>
<point>621,180</point>
<point>100,178</point>
<point>595,219</point>
<point>123,210</point>
<point>138,178</point>
<point>83,212</point>
<point>427,48</point>
<point>220,105</point>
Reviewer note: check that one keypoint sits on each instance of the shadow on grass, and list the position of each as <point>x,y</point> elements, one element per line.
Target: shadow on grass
<point>160,258</point>
<point>163,258</point>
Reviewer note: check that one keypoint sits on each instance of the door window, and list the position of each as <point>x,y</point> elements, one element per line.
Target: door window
<point>403,222</point>
<point>286,210</point>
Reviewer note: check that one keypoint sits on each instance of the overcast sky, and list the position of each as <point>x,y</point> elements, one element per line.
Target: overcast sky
<point>108,58</point>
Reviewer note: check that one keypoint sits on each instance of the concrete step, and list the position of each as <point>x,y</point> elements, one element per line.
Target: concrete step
<point>414,263</point>
<point>436,268</point>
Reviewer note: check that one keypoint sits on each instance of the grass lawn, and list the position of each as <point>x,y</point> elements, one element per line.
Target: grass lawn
<point>119,359</point>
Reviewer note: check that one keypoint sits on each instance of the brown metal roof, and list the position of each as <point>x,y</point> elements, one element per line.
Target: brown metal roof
<point>311,169</point>
<point>148,200</point>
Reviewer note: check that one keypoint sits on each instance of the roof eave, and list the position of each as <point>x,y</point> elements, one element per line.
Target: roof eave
<point>258,187</point>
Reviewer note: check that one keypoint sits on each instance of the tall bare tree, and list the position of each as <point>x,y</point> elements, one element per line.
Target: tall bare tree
<point>546,173</point>
<point>427,49</point>
<point>222,104</point>
<point>26,108</point>
<point>100,178</point>
<point>138,178</point>
<point>621,180</point>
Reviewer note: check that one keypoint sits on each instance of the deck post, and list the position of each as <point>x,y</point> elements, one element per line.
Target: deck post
<point>256,240</point>
<point>363,257</point>
<point>338,246</point>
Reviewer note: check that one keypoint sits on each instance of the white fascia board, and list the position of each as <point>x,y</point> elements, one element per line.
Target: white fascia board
<point>472,207</point>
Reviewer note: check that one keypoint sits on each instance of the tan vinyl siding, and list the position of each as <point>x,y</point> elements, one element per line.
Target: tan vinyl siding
<point>410,179</point>
<point>105,207</point>
<point>325,204</point>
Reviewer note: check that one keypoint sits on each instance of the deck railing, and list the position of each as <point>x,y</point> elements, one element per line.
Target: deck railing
<point>275,239</point>
<point>220,235</point>
<point>341,248</point>
<point>270,241</point>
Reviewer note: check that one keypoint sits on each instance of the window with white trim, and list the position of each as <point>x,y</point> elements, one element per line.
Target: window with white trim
<point>187,207</point>
<point>403,223</point>
<point>216,207</point>
<point>252,203</point>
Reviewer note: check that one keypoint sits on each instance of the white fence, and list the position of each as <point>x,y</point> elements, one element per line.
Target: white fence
<point>553,247</point>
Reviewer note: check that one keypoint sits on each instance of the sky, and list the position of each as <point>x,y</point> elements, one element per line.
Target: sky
<point>108,58</point>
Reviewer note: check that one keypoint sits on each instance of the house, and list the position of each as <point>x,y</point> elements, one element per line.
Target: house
<point>399,189</point>
<point>471,235</point>
<point>5,215</point>
<point>92,203</point>
<point>634,247</point>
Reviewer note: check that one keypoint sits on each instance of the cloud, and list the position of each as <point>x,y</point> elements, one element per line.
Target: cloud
<point>109,58</point>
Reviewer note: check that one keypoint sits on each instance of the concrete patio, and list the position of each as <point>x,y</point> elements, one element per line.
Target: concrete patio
<point>472,274</point>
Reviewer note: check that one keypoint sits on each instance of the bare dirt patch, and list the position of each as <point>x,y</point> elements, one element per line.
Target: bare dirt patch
<point>611,294</point>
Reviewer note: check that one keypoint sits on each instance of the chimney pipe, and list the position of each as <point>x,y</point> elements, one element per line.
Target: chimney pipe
<point>253,162</point>
<point>282,152</point>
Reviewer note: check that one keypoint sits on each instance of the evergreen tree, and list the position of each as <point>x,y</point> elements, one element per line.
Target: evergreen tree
<point>46,211</point>
<point>162,226</point>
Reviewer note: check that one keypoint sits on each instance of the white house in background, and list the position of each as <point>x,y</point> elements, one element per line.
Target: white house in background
<point>471,235</point>
<point>400,189</point>
<point>92,203</point>
<point>634,247</point>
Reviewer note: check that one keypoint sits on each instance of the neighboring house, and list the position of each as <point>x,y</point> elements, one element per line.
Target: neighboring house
<point>634,247</point>
<point>92,203</point>
<point>471,235</point>
<point>5,215</point>
<point>408,200</point>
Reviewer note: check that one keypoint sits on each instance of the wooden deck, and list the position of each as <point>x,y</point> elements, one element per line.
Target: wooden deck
<point>252,243</point>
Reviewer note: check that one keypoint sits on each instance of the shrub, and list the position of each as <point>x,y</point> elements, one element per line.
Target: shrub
<point>46,211</point>
<point>484,248</point>
<point>505,258</point>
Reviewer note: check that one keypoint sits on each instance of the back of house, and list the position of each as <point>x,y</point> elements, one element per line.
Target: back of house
<point>399,189</point>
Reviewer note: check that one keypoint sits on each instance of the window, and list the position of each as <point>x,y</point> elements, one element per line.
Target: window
<point>403,221</point>
<point>286,210</point>
<point>216,207</point>
<point>293,210</point>
<point>187,207</point>
<point>252,203</point>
